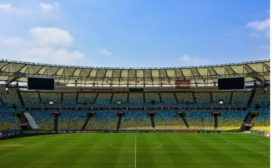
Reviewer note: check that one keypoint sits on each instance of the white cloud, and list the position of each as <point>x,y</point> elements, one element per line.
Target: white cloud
<point>43,45</point>
<point>43,7</point>
<point>7,8</point>
<point>13,40</point>
<point>51,55</point>
<point>190,60</point>
<point>260,27</point>
<point>11,9</point>
<point>51,36</point>
<point>46,7</point>
<point>105,52</point>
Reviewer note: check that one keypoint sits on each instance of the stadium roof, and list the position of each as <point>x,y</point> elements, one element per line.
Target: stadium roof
<point>11,71</point>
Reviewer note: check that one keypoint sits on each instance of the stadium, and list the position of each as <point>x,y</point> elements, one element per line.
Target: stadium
<point>136,84</point>
<point>74,116</point>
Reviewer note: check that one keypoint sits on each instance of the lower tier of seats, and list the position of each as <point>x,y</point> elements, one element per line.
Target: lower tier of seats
<point>74,120</point>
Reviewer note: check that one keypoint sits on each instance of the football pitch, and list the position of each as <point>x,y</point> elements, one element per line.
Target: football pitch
<point>140,150</point>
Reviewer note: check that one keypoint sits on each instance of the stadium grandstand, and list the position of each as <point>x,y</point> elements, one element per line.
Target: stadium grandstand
<point>134,99</point>
<point>136,84</point>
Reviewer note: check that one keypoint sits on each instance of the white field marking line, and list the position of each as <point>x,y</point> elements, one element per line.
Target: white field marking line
<point>268,144</point>
<point>135,150</point>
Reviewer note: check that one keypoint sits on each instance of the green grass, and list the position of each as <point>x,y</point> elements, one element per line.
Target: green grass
<point>148,150</point>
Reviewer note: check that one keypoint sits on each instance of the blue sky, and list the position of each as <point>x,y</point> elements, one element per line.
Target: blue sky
<point>135,33</point>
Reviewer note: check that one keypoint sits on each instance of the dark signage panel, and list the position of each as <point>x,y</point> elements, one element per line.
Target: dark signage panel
<point>40,84</point>
<point>230,83</point>
<point>135,89</point>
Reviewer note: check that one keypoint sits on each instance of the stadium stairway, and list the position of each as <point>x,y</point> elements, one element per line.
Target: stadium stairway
<point>119,115</point>
<point>216,116</point>
<point>26,121</point>
<point>32,124</point>
<point>251,97</point>
<point>89,116</point>
<point>20,98</point>
<point>182,116</point>
<point>56,116</point>
<point>247,124</point>
<point>151,115</point>
<point>23,122</point>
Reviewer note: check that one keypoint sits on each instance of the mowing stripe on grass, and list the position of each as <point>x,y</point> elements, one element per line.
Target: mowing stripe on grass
<point>135,150</point>
<point>148,150</point>
<point>245,147</point>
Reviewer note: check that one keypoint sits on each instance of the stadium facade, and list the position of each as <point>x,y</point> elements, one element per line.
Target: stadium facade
<point>121,99</point>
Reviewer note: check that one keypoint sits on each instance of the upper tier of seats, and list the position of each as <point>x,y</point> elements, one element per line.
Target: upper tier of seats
<point>72,99</point>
